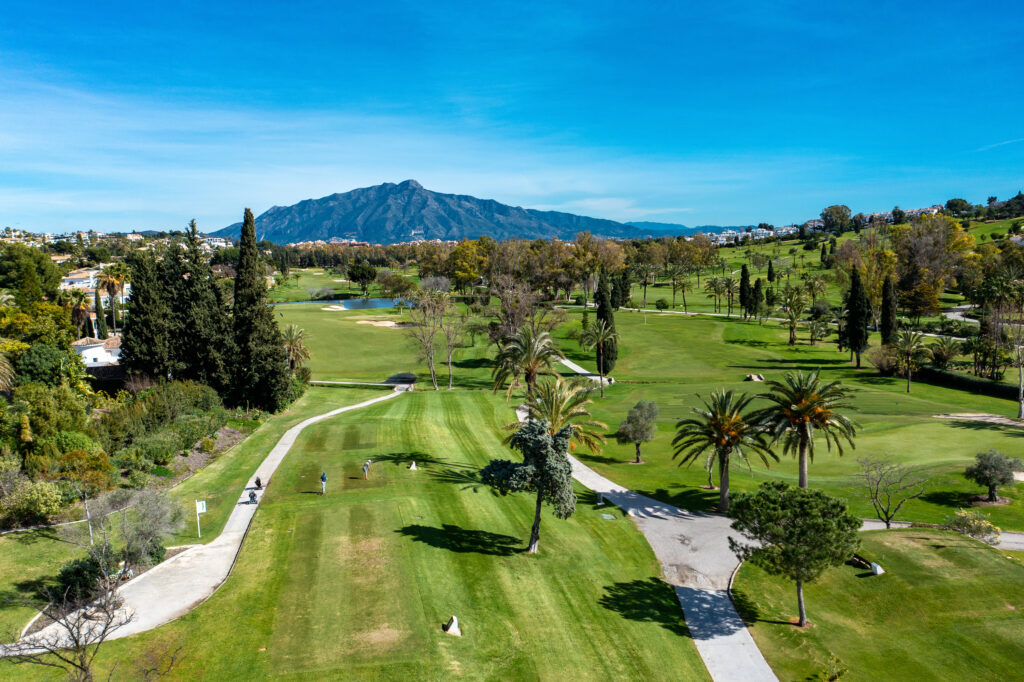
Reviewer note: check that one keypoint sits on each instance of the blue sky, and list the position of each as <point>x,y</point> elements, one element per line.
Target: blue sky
<point>120,116</point>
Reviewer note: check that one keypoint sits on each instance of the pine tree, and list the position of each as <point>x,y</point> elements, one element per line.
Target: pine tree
<point>89,331</point>
<point>261,366</point>
<point>101,317</point>
<point>757,297</point>
<point>858,315</point>
<point>202,340</point>
<point>888,322</point>
<point>29,291</point>
<point>610,351</point>
<point>745,292</point>
<point>146,338</point>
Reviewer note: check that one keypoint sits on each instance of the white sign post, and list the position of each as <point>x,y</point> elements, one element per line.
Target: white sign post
<point>200,509</point>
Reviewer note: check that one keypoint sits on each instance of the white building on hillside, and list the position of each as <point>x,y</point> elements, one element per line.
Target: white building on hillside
<point>98,352</point>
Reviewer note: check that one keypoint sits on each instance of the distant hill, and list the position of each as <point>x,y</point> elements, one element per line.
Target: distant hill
<point>390,213</point>
<point>662,229</point>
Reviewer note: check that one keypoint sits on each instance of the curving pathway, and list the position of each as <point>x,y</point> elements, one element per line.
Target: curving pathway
<point>171,589</point>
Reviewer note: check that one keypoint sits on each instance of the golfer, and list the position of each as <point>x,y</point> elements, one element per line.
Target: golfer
<point>323,483</point>
<point>366,469</point>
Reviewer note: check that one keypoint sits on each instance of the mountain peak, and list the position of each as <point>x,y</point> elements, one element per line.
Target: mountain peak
<point>377,215</point>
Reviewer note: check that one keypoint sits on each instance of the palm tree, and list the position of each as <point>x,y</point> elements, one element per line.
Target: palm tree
<point>800,406</point>
<point>715,286</point>
<point>676,275</point>
<point>113,278</point>
<point>563,404</point>
<point>598,335</point>
<point>645,274</point>
<point>910,348</point>
<point>816,287</point>
<point>944,350</point>
<point>731,288</point>
<point>529,353</point>
<point>294,345</point>
<point>6,374</point>
<point>6,298</point>
<point>794,303</point>
<point>720,428</point>
<point>77,303</point>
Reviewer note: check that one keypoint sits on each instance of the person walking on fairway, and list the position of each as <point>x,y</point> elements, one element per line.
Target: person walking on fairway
<point>323,483</point>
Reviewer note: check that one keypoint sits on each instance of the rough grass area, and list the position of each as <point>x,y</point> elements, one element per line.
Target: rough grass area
<point>356,584</point>
<point>948,608</point>
<point>31,558</point>
<point>673,360</point>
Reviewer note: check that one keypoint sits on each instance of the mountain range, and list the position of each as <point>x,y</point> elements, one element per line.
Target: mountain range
<point>389,213</point>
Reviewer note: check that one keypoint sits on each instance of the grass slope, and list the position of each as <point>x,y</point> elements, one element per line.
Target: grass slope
<point>673,360</point>
<point>356,585</point>
<point>947,608</point>
<point>31,558</point>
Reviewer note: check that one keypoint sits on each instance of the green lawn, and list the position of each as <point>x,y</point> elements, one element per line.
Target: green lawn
<point>30,558</point>
<point>356,584</point>
<point>674,359</point>
<point>947,608</point>
<point>343,346</point>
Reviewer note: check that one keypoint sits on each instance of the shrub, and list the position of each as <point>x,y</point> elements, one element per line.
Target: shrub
<point>661,304</point>
<point>138,480</point>
<point>974,524</point>
<point>884,360</point>
<point>66,441</point>
<point>208,445</point>
<point>131,459</point>
<point>161,471</point>
<point>79,578</point>
<point>30,503</point>
<point>296,387</point>
<point>160,447</point>
<point>578,300</point>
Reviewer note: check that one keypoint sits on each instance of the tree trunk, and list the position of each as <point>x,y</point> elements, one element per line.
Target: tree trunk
<point>792,334</point>
<point>535,531</point>
<point>800,602</point>
<point>449,369</point>
<point>684,301</point>
<point>992,493</point>
<point>638,460</point>
<point>723,482</point>
<point>803,461</point>
<point>1020,391</point>
<point>908,375</point>
<point>858,359</point>
<point>600,366</point>
<point>433,371</point>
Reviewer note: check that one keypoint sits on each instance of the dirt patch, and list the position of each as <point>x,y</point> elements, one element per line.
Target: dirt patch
<point>982,501</point>
<point>385,634</point>
<point>183,467</point>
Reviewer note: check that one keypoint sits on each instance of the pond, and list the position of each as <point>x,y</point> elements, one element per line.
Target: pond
<point>352,303</point>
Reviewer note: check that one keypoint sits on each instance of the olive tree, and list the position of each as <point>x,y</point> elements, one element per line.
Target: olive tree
<point>639,426</point>
<point>992,469</point>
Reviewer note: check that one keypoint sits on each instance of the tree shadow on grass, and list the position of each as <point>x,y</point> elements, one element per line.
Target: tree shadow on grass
<point>31,537</point>
<point>648,601</point>
<point>474,363</point>
<point>978,425</point>
<point>468,479</point>
<point>749,610</point>
<point>461,540</point>
<point>948,498</point>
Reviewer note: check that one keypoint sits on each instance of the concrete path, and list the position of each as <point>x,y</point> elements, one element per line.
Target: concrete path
<point>586,373</point>
<point>693,549</point>
<point>171,589</point>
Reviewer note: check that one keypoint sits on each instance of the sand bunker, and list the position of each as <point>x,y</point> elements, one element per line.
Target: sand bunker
<point>384,323</point>
<point>334,308</point>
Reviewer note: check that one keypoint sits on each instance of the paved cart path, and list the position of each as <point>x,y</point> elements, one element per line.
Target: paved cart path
<point>171,589</point>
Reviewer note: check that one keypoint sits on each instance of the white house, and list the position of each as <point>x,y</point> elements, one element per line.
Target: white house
<point>98,352</point>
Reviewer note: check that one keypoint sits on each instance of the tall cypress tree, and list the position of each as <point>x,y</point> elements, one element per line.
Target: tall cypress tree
<point>619,292</point>
<point>888,322</point>
<point>602,297</point>
<point>745,291</point>
<point>89,331</point>
<point>101,317</point>
<point>202,340</point>
<point>858,315</point>
<point>146,338</point>
<point>29,291</point>
<point>260,376</point>
<point>756,297</point>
